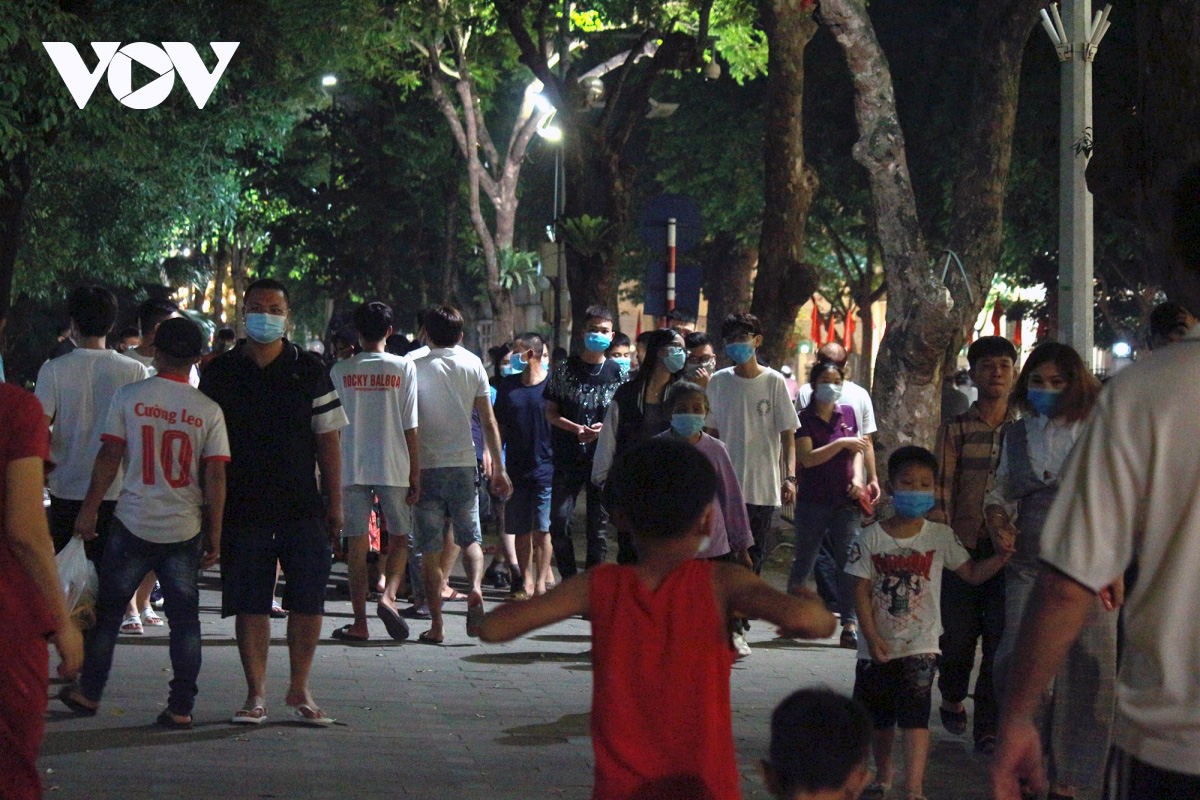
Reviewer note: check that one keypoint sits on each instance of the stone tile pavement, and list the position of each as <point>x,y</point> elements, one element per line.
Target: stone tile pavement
<point>466,720</point>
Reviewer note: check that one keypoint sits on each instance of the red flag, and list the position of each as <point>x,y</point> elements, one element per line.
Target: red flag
<point>997,315</point>
<point>815,334</point>
<point>848,333</point>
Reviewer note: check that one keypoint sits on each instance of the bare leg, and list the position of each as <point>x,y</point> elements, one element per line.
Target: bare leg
<point>356,563</point>
<point>397,560</point>
<point>450,552</point>
<point>545,557</point>
<point>523,546</point>
<point>253,632</point>
<point>473,564</point>
<point>141,598</point>
<point>433,577</point>
<point>303,631</point>
<point>916,756</point>
<point>881,746</point>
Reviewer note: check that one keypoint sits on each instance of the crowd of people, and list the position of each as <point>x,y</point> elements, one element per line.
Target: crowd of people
<point>1054,523</point>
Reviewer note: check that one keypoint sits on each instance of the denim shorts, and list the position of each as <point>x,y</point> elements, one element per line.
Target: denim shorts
<point>529,508</point>
<point>358,501</point>
<point>447,493</point>
<point>248,556</point>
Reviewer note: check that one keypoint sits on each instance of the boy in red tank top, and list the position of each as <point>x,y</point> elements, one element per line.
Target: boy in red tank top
<point>661,723</point>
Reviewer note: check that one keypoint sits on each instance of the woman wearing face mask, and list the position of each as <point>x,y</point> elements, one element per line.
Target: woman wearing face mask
<point>829,456</point>
<point>1057,393</point>
<point>638,412</point>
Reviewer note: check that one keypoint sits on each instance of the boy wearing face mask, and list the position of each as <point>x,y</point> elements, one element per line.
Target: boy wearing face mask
<point>620,351</point>
<point>752,413</point>
<point>701,359</point>
<point>898,566</point>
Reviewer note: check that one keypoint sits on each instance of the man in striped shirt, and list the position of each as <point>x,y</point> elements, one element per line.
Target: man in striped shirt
<point>283,418</point>
<point>968,451</point>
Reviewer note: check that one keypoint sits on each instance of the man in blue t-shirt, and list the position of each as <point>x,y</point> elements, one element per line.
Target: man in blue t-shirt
<point>521,411</point>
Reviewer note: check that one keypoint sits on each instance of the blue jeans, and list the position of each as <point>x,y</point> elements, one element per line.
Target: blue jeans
<point>126,561</point>
<point>817,523</point>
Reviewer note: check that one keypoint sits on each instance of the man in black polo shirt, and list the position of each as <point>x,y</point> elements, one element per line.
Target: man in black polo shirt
<point>283,417</point>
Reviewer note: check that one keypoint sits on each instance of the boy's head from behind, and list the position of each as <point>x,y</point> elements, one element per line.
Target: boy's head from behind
<point>660,489</point>
<point>819,743</point>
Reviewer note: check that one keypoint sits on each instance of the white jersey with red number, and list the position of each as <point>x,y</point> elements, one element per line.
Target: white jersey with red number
<point>168,429</point>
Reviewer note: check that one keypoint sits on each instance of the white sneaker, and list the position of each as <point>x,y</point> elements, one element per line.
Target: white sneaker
<point>740,645</point>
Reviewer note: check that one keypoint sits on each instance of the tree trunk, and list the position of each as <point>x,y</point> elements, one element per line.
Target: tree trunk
<point>728,266</point>
<point>1168,37</point>
<point>450,244</point>
<point>14,188</point>
<point>907,384</point>
<point>238,270</point>
<point>784,282</point>
<point>220,275</point>
<point>985,155</point>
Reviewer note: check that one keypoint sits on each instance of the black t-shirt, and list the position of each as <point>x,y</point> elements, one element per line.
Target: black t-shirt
<point>273,416</point>
<point>582,392</point>
<point>521,412</point>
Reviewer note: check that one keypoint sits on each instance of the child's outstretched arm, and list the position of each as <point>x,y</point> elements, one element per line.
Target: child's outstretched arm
<point>976,572</point>
<point>745,594</point>
<point>515,619</point>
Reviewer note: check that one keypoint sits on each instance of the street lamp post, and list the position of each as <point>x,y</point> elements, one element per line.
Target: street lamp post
<point>1076,34</point>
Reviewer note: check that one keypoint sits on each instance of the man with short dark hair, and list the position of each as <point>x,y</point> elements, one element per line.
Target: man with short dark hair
<point>529,457</point>
<point>968,452</point>
<point>451,383</point>
<point>681,321</point>
<point>577,396</point>
<point>751,412</point>
<point>283,418</point>
<point>128,339</point>
<point>701,358</point>
<point>151,314</point>
<point>1169,323</point>
<point>380,462</point>
<point>75,390</point>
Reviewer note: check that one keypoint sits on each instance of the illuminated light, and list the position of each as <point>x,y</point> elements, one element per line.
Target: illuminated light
<point>551,133</point>
<point>1122,350</point>
<point>329,80</point>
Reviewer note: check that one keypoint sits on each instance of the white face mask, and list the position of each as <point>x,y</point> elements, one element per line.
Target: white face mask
<point>704,544</point>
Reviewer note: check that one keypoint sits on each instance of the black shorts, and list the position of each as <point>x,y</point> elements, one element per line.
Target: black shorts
<point>248,556</point>
<point>61,518</point>
<point>898,692</point>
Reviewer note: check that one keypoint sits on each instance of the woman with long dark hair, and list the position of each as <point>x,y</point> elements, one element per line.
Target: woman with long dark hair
<point>1057,393</point>
<point>639,412</point>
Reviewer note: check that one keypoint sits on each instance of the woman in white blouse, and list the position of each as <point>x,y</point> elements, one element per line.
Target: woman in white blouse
<point>1057,393</point>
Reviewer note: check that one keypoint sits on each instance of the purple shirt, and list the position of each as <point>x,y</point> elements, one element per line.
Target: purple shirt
<point>827,483</point>
<point>730,524</point>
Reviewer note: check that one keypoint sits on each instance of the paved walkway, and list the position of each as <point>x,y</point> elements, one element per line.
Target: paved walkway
<point>466,720</point>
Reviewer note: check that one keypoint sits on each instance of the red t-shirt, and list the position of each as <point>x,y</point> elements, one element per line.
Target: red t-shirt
<point>661,719</point>
<point>23,434</point>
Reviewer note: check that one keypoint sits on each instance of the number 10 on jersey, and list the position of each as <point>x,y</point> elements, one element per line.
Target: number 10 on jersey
<point>174,454</point>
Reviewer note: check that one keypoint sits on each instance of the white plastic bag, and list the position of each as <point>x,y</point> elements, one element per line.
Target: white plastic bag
<point>80,583</point>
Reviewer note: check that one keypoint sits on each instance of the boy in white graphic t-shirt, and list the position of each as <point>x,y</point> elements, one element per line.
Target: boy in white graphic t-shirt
<point>898,564</point>
<point>172,442</point>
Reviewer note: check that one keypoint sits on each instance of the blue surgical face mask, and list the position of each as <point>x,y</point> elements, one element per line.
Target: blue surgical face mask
<point>624,362</point>
<point>674,360</point>
<point>597,342</point>
<point>1044,401</point>
<point>507,369</point>
<point>687,425</point>
<point>265,328</point>
<point>739,352</point>
<point>912,505</point>
<point>517,363</point>
<point>828,392</point>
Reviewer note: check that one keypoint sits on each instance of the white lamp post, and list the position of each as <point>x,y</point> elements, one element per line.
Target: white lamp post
<point>1076,34</point>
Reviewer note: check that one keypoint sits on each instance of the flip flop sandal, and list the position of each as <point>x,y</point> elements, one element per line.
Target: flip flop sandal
<point>249,716</point>
<point>70,702</point>
<point>954,721</point>
<point>416,612</point>
<point>151,619</point>
<point>397,628</point>
<point>425,638</point>
<point>167,720</point>
<point>455,597</point>
<point>345,635</point>
<point>876,790</point>
<point>475,615</point>
<point>316,718</point>
<point>132,626</point>
<point>278,611</point>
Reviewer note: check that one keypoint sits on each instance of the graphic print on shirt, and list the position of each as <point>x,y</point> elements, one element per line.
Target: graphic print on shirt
<point>899,593</point>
